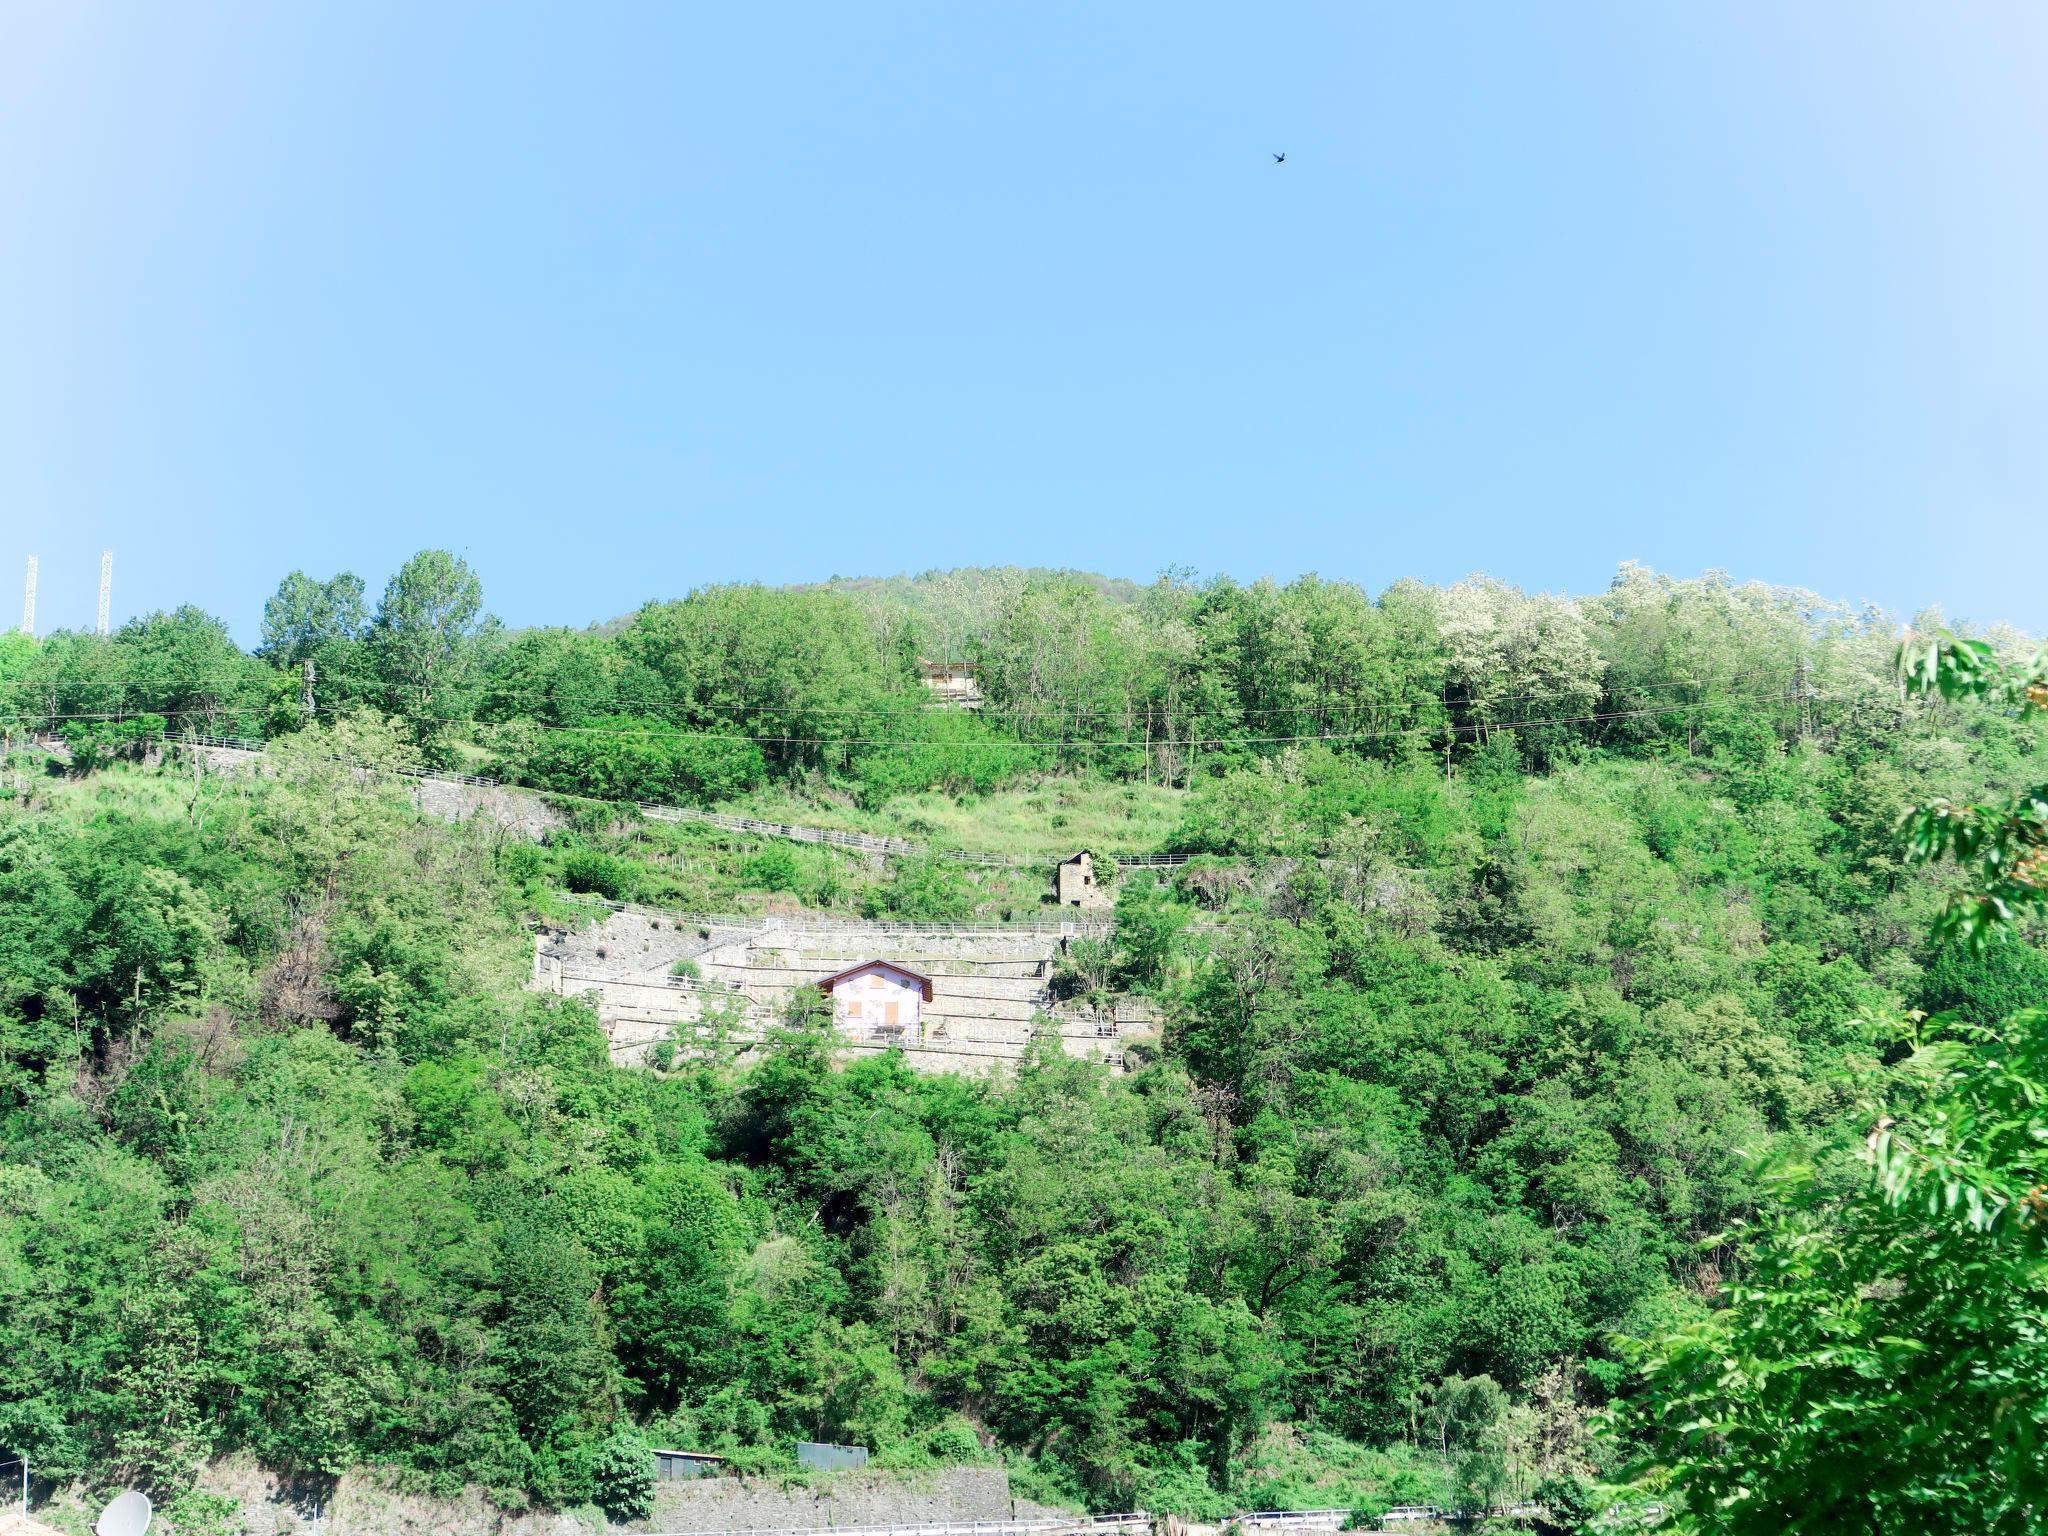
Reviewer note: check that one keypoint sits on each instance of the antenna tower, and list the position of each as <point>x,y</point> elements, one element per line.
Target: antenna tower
<point>28,601</point>
<point>106,587</point>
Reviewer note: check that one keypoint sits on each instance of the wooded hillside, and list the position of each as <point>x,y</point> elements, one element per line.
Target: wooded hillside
<point>1531,929</point>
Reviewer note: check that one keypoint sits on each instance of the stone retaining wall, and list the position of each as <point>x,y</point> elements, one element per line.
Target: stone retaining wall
<point>865,1497</point>
<point>364,1503</point>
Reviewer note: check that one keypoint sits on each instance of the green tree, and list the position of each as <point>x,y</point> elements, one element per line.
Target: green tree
<point>184,665</point>
<point>563,677</point>
<point>428,636</point>
<point>325,623</point>
<point>1148,931</point>
<point>306,618</point>
<point>559,1374</point>
<point>795,672</point>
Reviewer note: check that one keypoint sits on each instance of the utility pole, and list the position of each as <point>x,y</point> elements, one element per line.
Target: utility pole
<point>28,601</point>
<point>106,587</point>
<point>306,690</point>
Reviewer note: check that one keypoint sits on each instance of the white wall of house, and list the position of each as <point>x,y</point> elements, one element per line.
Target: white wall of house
<point>878,998</point>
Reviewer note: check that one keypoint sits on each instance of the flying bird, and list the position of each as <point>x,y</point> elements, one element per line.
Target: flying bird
<point>1280,159</point>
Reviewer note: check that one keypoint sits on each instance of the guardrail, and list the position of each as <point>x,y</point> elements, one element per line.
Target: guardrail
<point>762,923</point>
<point>1265,1519</point>
<point>1418,1512</point>
<point>793,833</point>
<point>1068,928</point>
<point>1071,928</point>
<point>245,744</point>
<point>1401,1514</point>
<point>572,978</point>
<point>1089,1523</point>
<point>1295,1519</point>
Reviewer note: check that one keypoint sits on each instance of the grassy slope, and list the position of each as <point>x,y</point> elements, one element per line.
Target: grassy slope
<point>1052,816</point>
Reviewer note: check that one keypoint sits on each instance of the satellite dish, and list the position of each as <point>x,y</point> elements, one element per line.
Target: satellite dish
<point>128,1515</point>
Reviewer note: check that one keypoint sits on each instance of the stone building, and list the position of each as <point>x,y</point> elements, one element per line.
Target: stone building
<point>878,997</point>
<point>1075,885</point>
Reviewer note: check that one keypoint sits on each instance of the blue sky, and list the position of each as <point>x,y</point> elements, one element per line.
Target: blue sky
<point>619,300</point>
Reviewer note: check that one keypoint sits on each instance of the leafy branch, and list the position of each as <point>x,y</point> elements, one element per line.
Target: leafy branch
<point>2005,844</point>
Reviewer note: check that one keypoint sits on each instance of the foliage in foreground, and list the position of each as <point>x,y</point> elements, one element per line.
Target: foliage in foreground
<point>1882,1361</point>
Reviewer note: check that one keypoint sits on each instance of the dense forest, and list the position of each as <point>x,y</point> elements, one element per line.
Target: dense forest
<point>1532,950</point>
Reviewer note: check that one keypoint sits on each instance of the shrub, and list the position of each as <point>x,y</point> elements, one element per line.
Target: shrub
<point>521,862</point>
<point>94,746</point>
<point>627,758</point>
<point>951,751</point>
<point>622,1478</point>
<point>589,872</point>
<point>1084,969</point>
<point>772,869</point>
<point>1567,1501</point>
<point>954,1442</point>
<point>197,1513</point>
<point>925,890</point>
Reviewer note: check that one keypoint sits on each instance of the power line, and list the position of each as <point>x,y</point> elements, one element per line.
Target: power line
<point>1335,700</point>
<point>1477,727</point>
<point>1331,703</point>
<point>1471,727</point>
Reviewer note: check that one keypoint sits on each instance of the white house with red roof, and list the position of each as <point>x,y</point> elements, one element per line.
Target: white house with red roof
<point>878,997</point>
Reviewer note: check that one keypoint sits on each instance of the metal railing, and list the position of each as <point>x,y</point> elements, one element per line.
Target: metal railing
<point>1070,928</point>
<point>1067,928</point>
<point>861,841</point>
<point>232,743</point>
<point>1265,1519</point>
<point>245,744</point>
<point>1401,1514</point>
<point>1295,1519</point>
<point>757,923</point>
<point>1079,1523</point>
